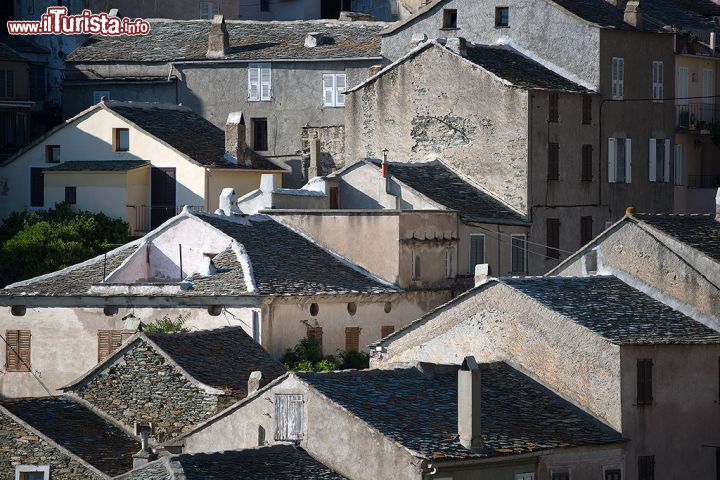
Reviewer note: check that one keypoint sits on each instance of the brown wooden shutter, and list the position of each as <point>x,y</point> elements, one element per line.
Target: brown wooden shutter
<point>108,342</point>
<point>17,351</point>
<point>386,330</point>
<point>586,174</point>
<point>553,161</point>
<point>553,238</point>
<point>586,230</point>
<point>644,381</point>
<point>554,112</point>
<point>352,339</point>
<point>317,334</point>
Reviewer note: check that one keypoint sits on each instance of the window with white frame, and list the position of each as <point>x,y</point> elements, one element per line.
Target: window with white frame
<point>658,92</point>
<point>477,250</point>
<point>682,86</point>
<point>99,94</point>
<point>518,254</point>
<point>32,472</point>
<point>618,78</point>
<point>289,424</point>
<point>334,85</point>
<point>707,111</point>
<point>679,165</point>
<point>619,160</point>
<point>259,82</point>
<point>659,160</point>
<point>208,10</point>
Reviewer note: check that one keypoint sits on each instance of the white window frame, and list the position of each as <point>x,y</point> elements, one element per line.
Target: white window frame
<point>683,84</point>
<point>471,266</point>
<point>99,94</point>
<point>679,164</point>
<point>525,476</point>
<point>44,469</point>
<point>652,160</point>
<point>612,160</point>
<point>512,249</point>
<point>614,467</point>
<point>618,78</point>
<point>658,91</point>
<point>708,91</point>
<point>260,76</point>
<point>331,86</point>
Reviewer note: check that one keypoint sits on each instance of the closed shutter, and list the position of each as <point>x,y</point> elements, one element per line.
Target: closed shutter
<point>612,160</point>
<point>679,165</point>
<point>477,251</point>
<point>621,77</point>
<point>17,350</point>
<point>553,237</point>
<point>652,159</point>
<point>108,342</point>
<point>586,173</point>
<point>340,85</point>
<point>660,81</point>
<point>265,82</point>
<point>586,230</point>
<point>316,333</point>
<point>329,90</point>
<point>288,417</point>
<point>352,339</point>
<point>646,467</point>
<point>644,382</point>
<point>666,172</point>
<point>628,160</point>
<point>553,161</point>
<point>386,330</point>
<point>682,86</point>
<point>253,83</point>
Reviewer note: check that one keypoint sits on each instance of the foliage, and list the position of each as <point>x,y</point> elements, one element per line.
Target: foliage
<point>35,243</point>
<point>356,360</point>
<point>168,325</point>
<point>307,356</point>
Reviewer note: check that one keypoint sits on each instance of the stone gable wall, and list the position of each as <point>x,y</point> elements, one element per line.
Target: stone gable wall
<point>19,446</point>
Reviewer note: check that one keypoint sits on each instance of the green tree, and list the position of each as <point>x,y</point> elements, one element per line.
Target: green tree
<point>168,325</point>
<point>307,356</point>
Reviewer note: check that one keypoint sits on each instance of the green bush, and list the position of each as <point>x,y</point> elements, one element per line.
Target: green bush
<point>307,356</point>
<point>35,243</point>
<point>168,325</point>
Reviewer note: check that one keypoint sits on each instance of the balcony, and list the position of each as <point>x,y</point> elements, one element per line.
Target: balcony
<point>698,117</point>
<point>704,181</point>
<point>143,218</point>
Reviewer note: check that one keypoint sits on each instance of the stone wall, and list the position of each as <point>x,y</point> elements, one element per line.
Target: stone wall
<point>142,386</point>
<point>157,471</point>
<point>332,146</point>
<point>18,446</point>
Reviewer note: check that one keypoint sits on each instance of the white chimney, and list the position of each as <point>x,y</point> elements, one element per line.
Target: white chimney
<point>313,39</point>
<point>468,401</point>
<point>218,38</point>
<point>254,382</point>
<point>717,205</point>
<point>268,183</point>
<point>482,273</point>
<point>457,45</point>
<point>418,38</point>
<point>713,41</point>
<point>235,146</point>
<point>228,202</point>
<point>633,15</point>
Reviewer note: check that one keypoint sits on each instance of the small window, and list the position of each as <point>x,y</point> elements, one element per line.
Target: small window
<point>314,309</point>
<point>334,85</point>
<point>215,310</point>
<point>586,230</point>
<point>264,5</point>
<point>450,18</point>
<point>334,198</point>
<point>289,417</point>
<point>18,310</point>
<point>7,83</point>
<point>71,195</point>
<point>659,160</point>
<point>37,187</point>
<point>613,474</point>
<point>679,165</point>
<point>108,342</point>
<point>657,87</point>
<point>560,475</point>
<point>553,238</point>
<point>646,467</point>
<point>587,110</point>
<point>121,139</point>
<point>386,330</point>
<point>110,311</point>
<point>553,161</point>
<point>525,476</point>
<point>32,472</point>
<point>644,382</point>
<point>352,308</point>
<point>619,160</point>
<point>553,107</point>
<point>17,350</point>
<point>586,168</point>
<point>502,17</point>
<point>98,95</point>
<point>352,339</point>
<point>208,10</point>
<point>618,78</point>
<point>315,333</point>
<point>52,153</point>
<point>260,134</point>
<point>259,82</point>
<point>477,250</point>
<point>388,307</point>
<point>518,253</point>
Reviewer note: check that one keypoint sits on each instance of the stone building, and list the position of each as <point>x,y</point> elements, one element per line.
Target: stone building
<point>174,381</point>
<point>632,361</point>
<point>59,439</point>
<point>411,423</point>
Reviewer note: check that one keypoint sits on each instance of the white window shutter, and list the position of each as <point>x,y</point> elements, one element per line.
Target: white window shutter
<point>253,83</point>
<point>667,160</point>
<point>679,167</point>
<point>340,85</point>
<point>661,81</point>
<point>265,82</point>
<point>329,90</point>
<point>621,77</point>
<point>612,170</point>
<point>652,158</point>
<point>628,160</point>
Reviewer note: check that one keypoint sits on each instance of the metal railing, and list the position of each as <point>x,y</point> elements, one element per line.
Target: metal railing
<point>698,116</point>
<point>704,181</point>
<point>148,217</point>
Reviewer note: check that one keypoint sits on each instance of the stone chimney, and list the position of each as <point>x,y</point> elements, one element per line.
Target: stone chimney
<point>417,39</point>
<point>717,205</point>
<point>254,382</point>
<point>630,211</point>
<point>228,202</point>
<point>633,15</point>
<point>482,273</point>
<point>457,45</point>
<point>218,38</point>
<point>268,183</point>
<point>313,39</point>
<point>146,453</point>
<point>468,402</point>
<point>314,169</point>
<point>235,146</point>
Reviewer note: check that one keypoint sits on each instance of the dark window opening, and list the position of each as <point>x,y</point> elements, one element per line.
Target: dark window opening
<point>586,173</point>
<point>334,198</point>
<point>52,153</point>
<point>586,230</point>
<point>553,238</point>
<point>587,110</point>
<point>644,381</point>
<point>560,476</point>
<point>450,18</point>
<point>264,5</point>
<point>502,17</point>
<point>71,195</point>
<point>646,467</point>
<point>553,161</point>
<point>37,187</point>
<point>260,134</point>
<point>121,139</point>
<point>553,108</point>
<point>613,474</point>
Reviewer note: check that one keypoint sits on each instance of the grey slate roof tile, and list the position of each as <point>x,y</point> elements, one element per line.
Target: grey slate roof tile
<point>701,232</point>
<point>98,166</point>
<point>222,358</point>
<point>77,429</point>
<point>614,310</point>
<point>249,40</point>
<point>417,407</point>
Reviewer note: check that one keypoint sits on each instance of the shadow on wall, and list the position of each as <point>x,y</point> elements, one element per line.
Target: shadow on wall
<point>357,199</point>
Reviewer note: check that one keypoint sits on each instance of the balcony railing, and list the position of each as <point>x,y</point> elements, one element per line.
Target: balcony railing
<point>698,116</point>
<point>144,218</point>
<point>704,181</point>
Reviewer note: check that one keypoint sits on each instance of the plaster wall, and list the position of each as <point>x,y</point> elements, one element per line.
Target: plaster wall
<point>79,95</point>
<point>96,192</point>
<point>242,181</point>
<point>498,249</point>
<point>138,193</point>
<point>21,78</point>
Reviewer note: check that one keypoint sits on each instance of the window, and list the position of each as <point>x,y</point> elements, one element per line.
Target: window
<point>502,17</point>
<point>98,96</point>
<point>587,110</point>
<point>682,86</point>
<point>288,417</point>
<point>208,10</point>
<point>560,475</point>
<point>108,342</point>
<point>17,350</point>
<point>352,339</point>
<point>553,238</point>
<point>415,266</point>
<point>7,83</point>
<point>259,82</point>
<point>260,134</point>
<point>618,78</point>
<point>586,230</point>
<point>707,112</point>
<point>614,473</point>
<point>524,476</point>
<point>386,330</point>
<point>477,250</point>
<point>256,326</point>
<point>619,160</point>
<point>518,247</point>
<point>553,113</point>
<point>314,309</point>
<point>52,153</point>
<point>644,381</point>
<point>264,5</point>
<point>646,467</point>
<point>449,263</point>
<point>388,307</point>
<point>450,18</point>
<point>18,310</point>
<point>334,198</point>
<point>679,165</point>
<point>32,472</point>
<point>333,88</point>
<point>37,187</point>
<point>659,160</point>
<point>586,172</point>
<point>553,161</point>
<point>657,79</point>
<point>315,333</point>
<point>121,139</point>
<point>71,195</point>
<point>352,308</point>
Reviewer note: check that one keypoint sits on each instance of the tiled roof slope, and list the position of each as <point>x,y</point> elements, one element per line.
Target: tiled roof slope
<point>518,69</point>
<point>222,358</point>
<point>660,13</point>
<point>98,166</point>
<point>614,310</point>
<point>437,182</point>
<point>518,415</point>
<point>184,130</point>
<point>281,462</point>
<point>249,40</point>
<point>701,232</point>
<point>78,430</point>
<point>285,263</point>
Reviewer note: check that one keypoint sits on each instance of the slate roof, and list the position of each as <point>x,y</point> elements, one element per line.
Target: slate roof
<point>78,430</point>
<point>614,310</point>
<point>701,231</point>
<point>98,166</point>
<point>281,462</point>
<point>442,185</point>
<point>417,407</point>
<point>7,54</point>
<point>186,131</point>
<point>223,358</point>
<point>20,45</point>
<point>172,40</point>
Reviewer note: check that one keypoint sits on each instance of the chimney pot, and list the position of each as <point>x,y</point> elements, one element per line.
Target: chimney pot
<point>468,401</point>
<point>457,45</point>
<point>482,273</point>
<point>254,382</point>
<point>630,210</point>
<point>218,38</point>
<point>228,202</point>
<point>633,14</point>
<point>235,146</point>
<point>713,41</point>
<point>146,453</point>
